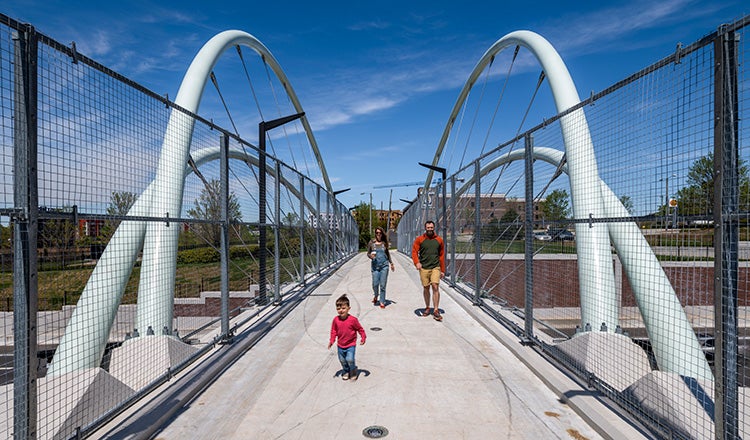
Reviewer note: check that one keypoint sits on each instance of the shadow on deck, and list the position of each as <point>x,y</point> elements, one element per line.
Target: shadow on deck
<point>464,377</point>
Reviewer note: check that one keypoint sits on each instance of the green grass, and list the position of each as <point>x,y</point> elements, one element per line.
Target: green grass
<point>56,286</point>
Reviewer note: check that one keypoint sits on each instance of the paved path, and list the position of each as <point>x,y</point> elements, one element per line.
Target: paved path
<point>420,379</point>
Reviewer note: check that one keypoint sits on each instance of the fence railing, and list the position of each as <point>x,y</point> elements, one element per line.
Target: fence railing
<point>82,284</point>
<point>665,332</point>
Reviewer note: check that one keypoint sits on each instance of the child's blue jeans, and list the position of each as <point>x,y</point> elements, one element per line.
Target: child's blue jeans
<point>346,357</point>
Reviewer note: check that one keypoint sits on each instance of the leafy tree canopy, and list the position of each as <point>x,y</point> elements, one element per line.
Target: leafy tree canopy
<point>697,198</point>
<point>208,207</point>
<point>556,206</point>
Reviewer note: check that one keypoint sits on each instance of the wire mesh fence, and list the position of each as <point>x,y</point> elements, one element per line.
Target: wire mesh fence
<point>113,274</point>
<point>615,237</point>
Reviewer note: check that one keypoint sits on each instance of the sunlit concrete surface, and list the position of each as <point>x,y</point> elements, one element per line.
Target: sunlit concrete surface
<point>464,378</point>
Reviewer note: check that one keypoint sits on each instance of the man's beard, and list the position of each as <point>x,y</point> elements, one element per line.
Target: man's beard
<point>430,233</point>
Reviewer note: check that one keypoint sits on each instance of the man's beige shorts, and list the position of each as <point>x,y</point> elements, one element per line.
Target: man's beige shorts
<point>429,276</point>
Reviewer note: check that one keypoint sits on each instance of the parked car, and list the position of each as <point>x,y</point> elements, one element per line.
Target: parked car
<point>543,236</point>
<point>561,235</point>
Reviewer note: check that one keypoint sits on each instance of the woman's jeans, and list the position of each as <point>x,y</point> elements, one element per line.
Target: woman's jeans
<point>346,357</point>
<point>379,279</point>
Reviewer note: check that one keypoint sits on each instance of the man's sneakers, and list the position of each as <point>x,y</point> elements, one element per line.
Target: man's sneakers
<point>345,376</point>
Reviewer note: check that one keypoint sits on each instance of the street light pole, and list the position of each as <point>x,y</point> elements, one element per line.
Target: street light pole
<point>370,213</point>
<point>263,127</point>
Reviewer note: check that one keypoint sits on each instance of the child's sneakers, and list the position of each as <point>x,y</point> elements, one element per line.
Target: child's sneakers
<point>354,375</point>
<point>345,376</point>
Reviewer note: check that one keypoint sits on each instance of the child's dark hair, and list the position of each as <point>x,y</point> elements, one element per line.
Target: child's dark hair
<point>343,300</point>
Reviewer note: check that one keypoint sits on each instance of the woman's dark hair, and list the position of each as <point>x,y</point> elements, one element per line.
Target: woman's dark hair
<point>384,236</point>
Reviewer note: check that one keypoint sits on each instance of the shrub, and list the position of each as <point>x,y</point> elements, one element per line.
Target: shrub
<point>198,256</point>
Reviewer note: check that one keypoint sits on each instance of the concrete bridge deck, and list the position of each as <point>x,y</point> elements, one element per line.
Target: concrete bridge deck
<point>464,378</point>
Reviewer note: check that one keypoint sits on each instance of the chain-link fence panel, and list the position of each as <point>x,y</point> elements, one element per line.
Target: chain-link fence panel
<point>130,236</point>
<point>613,236</point>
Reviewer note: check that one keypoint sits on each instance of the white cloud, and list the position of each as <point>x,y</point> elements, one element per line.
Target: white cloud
<point>368,25</point>
<point>596,31</point>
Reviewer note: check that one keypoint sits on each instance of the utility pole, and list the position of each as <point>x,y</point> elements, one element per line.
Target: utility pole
<point>390,197</point>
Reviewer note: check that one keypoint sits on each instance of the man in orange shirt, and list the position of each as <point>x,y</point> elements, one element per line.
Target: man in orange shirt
<point>428,255</point>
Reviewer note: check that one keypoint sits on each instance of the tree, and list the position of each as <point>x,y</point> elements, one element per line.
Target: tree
<point>208,207</point>
<point>291,219</point>
<point>697,198</point>
<point>510,216</point>
<point>510,223</point>
<point>361,214</point>
<point>627,202</point>
<point>491,230</point>
<point>57,236</point>
<point>120,203</point>
<point>556,205</point>
<point>289,224</point>
<point>6,232</point>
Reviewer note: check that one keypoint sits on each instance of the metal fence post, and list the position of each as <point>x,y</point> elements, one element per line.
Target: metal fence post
<point>302,229</point>
<point>317,230</point>
<point>277,230</point>
<point>25,229</point>
<point>262,298</point>
<point>329,238</point>
<point>726,235</point>
<point>224,176</point>
<point>453,232</point>
<point>334,228</point>
<point>529,236</point>
<point>477,233</point>
<point>438,204</point>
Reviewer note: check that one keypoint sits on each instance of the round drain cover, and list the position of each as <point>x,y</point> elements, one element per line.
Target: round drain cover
<point>375,432</point>
<point>375,329</point>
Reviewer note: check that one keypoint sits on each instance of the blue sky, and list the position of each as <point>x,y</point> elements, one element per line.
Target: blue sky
<point>379,80</point>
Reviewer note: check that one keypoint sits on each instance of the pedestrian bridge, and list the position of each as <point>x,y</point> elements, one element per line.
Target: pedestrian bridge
<point>466,377</point>
<point>149,338</point>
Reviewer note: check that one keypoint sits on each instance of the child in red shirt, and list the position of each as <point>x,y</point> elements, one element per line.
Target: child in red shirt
<point>345,327</point>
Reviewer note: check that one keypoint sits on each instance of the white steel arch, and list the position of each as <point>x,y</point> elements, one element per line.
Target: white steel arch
<point>595,272</point>
<point>85,338</point>
<point>82,346</point>
<point>156,289</point>
<point>675,346</point>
